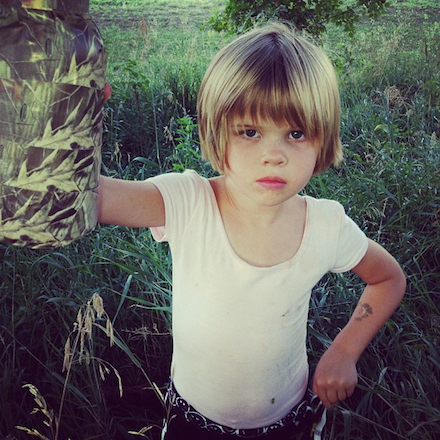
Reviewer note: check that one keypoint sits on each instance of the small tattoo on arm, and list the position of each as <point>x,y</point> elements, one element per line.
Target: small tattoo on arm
<point>364,310</point>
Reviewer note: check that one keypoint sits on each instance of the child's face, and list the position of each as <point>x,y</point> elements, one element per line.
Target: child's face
<point>268,163</point>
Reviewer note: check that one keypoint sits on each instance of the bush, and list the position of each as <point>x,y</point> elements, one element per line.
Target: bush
<point>312,16</point>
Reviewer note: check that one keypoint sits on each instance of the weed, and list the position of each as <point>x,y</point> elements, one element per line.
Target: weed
<point>49,419</point>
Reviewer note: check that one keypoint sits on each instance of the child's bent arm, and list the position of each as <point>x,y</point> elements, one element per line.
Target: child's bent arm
<point>336,376</point>
<point>130,203</point>
<point>385,288</point>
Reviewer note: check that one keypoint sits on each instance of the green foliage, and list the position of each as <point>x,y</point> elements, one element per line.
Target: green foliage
<point>310,15</point>
<point>392,52</point>
<point>389,185</point>
<point>49,298</point>
<point>187,154</point>
<point>155,79</point>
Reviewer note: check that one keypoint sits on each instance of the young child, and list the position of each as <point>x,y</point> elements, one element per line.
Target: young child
<point>247,248</point>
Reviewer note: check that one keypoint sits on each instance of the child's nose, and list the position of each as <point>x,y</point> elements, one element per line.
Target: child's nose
<point>274,154</point>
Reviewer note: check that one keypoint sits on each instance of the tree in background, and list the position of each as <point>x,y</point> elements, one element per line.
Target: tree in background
<point>310,15</point>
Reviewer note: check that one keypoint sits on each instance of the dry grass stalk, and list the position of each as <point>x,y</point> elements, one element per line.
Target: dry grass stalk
<point>85,321</point>
<point>49,417</point>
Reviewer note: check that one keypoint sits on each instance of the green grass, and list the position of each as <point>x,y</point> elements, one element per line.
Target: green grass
<point>161,13</point>
<point>390,90</point>
<point>416,4</point>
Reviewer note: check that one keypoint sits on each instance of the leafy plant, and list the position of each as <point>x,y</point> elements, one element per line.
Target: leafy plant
<point>310,15</point>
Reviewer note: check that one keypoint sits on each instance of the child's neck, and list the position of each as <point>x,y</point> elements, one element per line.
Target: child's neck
<point>265,236</point>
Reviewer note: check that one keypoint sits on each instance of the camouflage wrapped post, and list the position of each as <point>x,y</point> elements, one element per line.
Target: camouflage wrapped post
<point>52,74</point>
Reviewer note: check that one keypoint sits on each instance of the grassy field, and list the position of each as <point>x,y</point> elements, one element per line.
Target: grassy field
<point>164,13</point>
<point>117,363</point>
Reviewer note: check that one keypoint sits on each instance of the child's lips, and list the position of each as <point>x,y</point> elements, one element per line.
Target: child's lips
<point>272,182</point>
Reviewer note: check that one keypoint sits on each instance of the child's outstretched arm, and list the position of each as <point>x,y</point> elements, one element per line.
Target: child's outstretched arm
<point>336,375</point>
<point>130,203</point>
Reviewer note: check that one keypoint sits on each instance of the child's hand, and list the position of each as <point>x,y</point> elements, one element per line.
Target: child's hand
<point>335,377</point>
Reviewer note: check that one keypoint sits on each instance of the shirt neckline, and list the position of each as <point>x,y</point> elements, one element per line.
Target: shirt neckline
<point>225,239</point>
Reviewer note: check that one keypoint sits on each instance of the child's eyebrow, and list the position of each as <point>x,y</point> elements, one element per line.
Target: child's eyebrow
<point>242,126</point>
<point>235,126</point>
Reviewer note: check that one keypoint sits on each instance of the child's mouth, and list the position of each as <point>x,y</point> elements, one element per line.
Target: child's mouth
<point>272,182</point>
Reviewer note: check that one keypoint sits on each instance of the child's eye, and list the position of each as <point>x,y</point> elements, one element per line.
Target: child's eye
<point>249,133</point>
<point>298,135</point>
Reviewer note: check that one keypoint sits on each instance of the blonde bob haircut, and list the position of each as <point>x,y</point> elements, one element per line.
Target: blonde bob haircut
<point>273,74</point>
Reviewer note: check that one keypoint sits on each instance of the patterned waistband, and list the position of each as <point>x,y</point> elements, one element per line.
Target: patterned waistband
<point>299,417</point>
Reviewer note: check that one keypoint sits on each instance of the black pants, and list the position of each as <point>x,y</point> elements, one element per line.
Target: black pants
<point>183,422</point>
<point>179,429</point>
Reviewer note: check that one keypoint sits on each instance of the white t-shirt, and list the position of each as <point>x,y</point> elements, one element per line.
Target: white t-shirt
<point>239,331</point>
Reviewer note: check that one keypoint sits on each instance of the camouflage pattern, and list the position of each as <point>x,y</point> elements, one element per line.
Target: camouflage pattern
<point>52,75</point>
<point>72,6</point>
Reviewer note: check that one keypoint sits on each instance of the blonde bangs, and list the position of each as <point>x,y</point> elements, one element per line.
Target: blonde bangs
<point>277,104</point>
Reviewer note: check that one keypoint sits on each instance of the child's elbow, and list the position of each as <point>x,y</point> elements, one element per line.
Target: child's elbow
<point>397,281</point>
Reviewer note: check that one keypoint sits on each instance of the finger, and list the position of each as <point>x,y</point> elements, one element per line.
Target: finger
<point>107,91</point>
<point>327,397</point>
<point>332,397</point>
<point>324,394</point>
<point>342,394</point>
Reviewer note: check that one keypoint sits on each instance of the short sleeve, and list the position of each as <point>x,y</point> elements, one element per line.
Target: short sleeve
<point>180,193</point>
<point>351,244</point>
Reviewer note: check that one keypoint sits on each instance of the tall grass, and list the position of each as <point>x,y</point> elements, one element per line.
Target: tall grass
<point>113,388</point>
<point>155,78</point>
